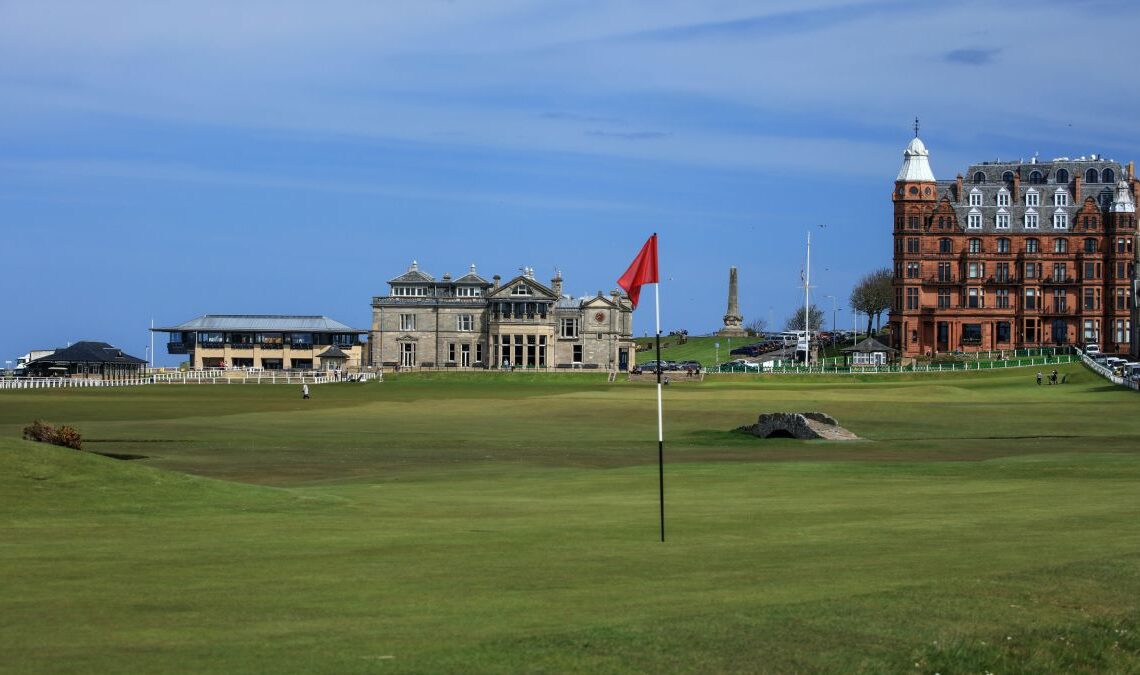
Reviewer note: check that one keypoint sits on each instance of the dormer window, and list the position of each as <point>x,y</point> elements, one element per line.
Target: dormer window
<point>979,178</point>
<point>975,197</point>
<point>1001,221</point>
<point>1032,198</point>
<point>974,220</point>
<point>1060,198</point>
<point>1003,197</point>
<point>1035,178</point>
<point>1007,177</point>
<point>520,289</point>
<point>1060,221</point>
<point>1091,176</point>
<point>468,291</point>
<point>1062,176</point>
<point>410,291</point>
<point>1030,220</point>
<point>1108,176</point>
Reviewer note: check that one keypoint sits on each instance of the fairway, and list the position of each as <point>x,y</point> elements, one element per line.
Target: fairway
<point>508,522</point>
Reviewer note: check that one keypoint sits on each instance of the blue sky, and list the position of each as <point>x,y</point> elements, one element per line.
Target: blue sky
<point>166,160</point>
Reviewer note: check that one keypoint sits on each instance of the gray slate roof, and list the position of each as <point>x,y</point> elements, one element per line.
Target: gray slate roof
<point>867,345</point>
<point>332,352</point>
<point>277,323</point>
<point>89,352</point>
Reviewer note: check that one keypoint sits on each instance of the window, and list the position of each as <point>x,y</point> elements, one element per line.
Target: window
<point>520,289</point>
<point>1031,298</point>
<point>1032,198</point>
<point>1001,273</point>
<point>944,272</point>
<point>1060,245</point>
<point>301,339</point>
<point>1062,176</point>
<point>577,354</point>
<point>1060,198</point>
<point>1003,332</point>
<point>945,246</point>
<point>464,322</point>
<point>451,352</point>
<point>898,270</point>
<point>1001,298</point>
<point>912,270</point>
<point>407,322</point>
<point>975,245</point>
<point>468,291</point>
<point>1060,271</point>
<point>1060,302</point>
<point>1002,245</point>
<point>976,270</point>
<point>912,245</point>
<point>975,197</point>
<point>1035,178</point>
<point>1002,221</point>
<point>1031,246</point>
<point>1123,330</point>
<point>1122,299</point>
<point>568,328</point>
<point>1091,176</point>
<point>912,298</point>
<point>1003,197</point>
<point>1090,245</point>
<point>973,298</point>
<point>1120,245</point>
<point>405,291</point>
<point>1007,176</point>
<point>1090,298</point>
<point>943,298</point>
<point>914,222</point>
<point>1090,330</point>
<point>1090,223</point>
<point>1107,176</point>
<point>1030,221</point>
<point>1090,270</point>
<point>407,354</point>
<point>979,177</point>
<point>1060,220</point>
<point>1031,270</point>
<point>974,221</point>
<point>971,333</point>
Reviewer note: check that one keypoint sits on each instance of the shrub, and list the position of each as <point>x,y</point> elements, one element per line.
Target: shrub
<point>65,436</point>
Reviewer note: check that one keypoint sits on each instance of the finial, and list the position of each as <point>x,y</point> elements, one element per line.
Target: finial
<point>473,268</point>
<point>415,265</point>
<point>916,126</point>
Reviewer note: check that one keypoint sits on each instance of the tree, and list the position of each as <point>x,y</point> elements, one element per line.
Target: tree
<point>873,295</point>
<point>756,327</point>
<point>796,321</point>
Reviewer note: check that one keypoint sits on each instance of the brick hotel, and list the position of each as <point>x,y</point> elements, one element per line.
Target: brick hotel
<point>1014,254</point>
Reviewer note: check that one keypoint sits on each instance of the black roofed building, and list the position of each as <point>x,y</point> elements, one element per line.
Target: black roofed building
<point>87,359</point>
<point>269,342</point>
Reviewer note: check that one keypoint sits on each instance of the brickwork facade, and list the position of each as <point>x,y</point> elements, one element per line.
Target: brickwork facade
<point>1014,255</point>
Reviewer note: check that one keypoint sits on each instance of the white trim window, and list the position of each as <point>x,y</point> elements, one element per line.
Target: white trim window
<point>1060,197</point>
<point>974,220</point>
<point>975,197</point>
<point>407,322</point>
<point>410,291</point>
<point>568,328</point>
<point>1031,220</point>
<point>520,289</point>
<point>1002,220</point>
<point>1032,198</point>
<point>468,291</point>
<point>464,322</point>
<point>1003,197</point>
<point>1060,220</point>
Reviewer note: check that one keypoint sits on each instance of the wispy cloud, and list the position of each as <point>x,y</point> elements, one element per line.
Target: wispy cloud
<point>628,135</point>
<point>972,57</point>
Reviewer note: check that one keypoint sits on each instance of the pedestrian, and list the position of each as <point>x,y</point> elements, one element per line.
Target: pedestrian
<point>1039,378</point>
<point>1053,377</point>
<point>304,391</point>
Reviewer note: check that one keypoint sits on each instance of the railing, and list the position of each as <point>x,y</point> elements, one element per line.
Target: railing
<point>195,377</point>
<point>1108,374</point>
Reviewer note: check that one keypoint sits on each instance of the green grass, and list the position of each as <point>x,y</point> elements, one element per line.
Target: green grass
<point>701,349</point>
<point>464,523</point>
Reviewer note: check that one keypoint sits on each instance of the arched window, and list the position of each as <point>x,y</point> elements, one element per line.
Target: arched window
<point>979,177</point>
<point>1002,245</point>
<point>1007,176</point>
<point>1091,176</point>
<point>1062,176</point>
<point>1035,178</point>
<point>1031,246</point>
<point>1108,176</point>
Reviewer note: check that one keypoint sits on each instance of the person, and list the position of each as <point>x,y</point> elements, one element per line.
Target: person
<point>1053,377</point>
<point>304,391</point>
<point>1038,377</point>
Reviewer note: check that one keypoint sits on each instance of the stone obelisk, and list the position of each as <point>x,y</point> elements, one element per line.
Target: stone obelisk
<point>732,318</point>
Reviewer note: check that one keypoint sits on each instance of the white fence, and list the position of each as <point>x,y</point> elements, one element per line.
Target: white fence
<point>1107,373</point>
<point>191,377</point>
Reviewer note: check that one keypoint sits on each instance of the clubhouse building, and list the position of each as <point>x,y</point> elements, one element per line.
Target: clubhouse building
<point>1014,254</point>
<point>268,342</point>
<point>469,322</point>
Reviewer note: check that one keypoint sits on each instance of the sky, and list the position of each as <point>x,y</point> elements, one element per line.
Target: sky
<point>163,160</point>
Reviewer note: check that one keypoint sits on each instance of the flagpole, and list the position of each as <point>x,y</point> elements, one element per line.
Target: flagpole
<point>660,422</point>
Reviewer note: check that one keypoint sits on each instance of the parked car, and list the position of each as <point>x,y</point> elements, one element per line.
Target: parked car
<point>690,365</point>
<point>1091,349</point>
<point>740,364</point>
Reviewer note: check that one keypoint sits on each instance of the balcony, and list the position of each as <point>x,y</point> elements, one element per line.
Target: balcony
<point>939,281</point>
<point>1006,280</point>
<point>1058,310</point>
<point>1058,281</point>
<point>179,347</point>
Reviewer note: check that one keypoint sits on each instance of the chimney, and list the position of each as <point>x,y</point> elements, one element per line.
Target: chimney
<point>1015,198</point>
<point>496,279</point>
<point>958,189</point>
<point>1077,188</point>
<point>556,284</point>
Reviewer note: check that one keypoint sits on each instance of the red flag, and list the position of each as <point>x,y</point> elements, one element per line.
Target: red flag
<point>643,270</point>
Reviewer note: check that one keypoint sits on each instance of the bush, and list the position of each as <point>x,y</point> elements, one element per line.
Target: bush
<point>65,436</point>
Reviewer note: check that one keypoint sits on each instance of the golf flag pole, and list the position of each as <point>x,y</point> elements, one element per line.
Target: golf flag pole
<point>643,270</point>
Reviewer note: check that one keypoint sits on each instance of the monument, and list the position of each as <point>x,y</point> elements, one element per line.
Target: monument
<point>732,318</point>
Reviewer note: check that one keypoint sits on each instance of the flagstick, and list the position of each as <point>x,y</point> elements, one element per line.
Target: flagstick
<point>660,423</point>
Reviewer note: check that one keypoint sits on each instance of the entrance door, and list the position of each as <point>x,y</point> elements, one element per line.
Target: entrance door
<point>623,359</point>
<point>407,355</point>
<point>1060,332</point>
<point>465,356</point>
<point>943,336</point>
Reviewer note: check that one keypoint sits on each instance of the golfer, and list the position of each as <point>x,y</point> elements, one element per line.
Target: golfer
<point>304,391</point>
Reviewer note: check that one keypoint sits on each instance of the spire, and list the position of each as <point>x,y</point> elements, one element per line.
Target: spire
<point>732,318</point>
<point>916,161</point>
<point>1122,201</point>
<point>916,126</point>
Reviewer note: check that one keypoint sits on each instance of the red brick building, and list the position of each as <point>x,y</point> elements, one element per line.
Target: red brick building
<point>1013,254</point>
